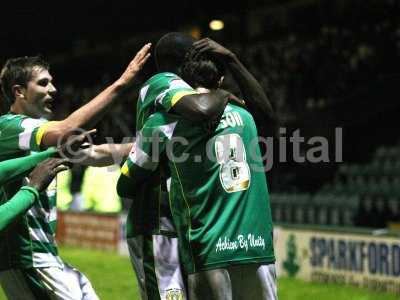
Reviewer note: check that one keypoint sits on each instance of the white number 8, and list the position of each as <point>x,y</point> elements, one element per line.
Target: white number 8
<point>234,172</point>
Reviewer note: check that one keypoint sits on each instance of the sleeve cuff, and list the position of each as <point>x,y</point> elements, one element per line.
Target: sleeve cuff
<point>31,190</point>
<point>125,170</point>
<point>41,131</point>
<point>51,151</point>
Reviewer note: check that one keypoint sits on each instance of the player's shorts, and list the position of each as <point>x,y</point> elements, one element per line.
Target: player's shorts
<point>240,282</point>
<point>46,284</point>
<point>155,260</point>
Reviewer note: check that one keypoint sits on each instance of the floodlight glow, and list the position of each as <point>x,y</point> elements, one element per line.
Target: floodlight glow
<point>216,25</point>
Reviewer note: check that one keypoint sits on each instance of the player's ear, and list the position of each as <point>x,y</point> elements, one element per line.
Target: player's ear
<point>18,91</point>
<point>221,80</point>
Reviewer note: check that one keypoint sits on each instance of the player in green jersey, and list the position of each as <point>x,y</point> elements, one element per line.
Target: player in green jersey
<point>40,177</point>
<point>218,194</point>
<point>43,173</point>
<point>31,268</point>
<point>259,282</point>
<point>151,234</point>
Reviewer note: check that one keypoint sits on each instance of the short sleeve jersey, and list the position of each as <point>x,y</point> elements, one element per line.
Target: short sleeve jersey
<point>29,242</point>
<point>160,93</point>
<point>219,196</point>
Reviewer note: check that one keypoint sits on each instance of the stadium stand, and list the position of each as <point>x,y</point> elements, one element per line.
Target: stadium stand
<point>309,57</point>
<point>366,195</point>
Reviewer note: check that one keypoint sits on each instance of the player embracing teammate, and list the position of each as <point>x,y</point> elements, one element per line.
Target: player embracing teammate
<point>200,223</point>
<point>217,191</point>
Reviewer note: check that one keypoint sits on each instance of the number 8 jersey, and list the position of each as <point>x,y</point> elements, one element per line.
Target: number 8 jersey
<point>219,197</point>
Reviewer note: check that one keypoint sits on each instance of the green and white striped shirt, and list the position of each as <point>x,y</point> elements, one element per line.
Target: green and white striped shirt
<point>29,242</point>
<point>149,208</point>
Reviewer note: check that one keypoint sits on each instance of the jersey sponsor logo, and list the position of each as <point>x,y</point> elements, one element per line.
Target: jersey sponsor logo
<point>242,242</point>
<point>174,294</point>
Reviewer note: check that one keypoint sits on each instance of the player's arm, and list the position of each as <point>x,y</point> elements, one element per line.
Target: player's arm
<point>104,155</point>
<point>180,98</point>
<point>200,107</point>
<point>93,111</point>
<point>256,99</point>
<point>39,179</point>
<point>17,205</point>
<point>17,168</point>
<point>132,175</point>
<point>143,160</point>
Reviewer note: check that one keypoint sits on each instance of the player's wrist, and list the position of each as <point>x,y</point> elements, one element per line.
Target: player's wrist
<point>231,56</point>
<point>120,85</point>
<point>31,184</point>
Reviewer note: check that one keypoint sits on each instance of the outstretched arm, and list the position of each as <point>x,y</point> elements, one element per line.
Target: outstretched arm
<point>104,155</point>
<point>141,165</point>
<point>17,168</point>
<point>89,114</point>
<point>39,179</point>
<point>256,99</point>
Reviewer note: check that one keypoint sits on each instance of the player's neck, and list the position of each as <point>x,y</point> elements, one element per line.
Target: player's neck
<point>16,108</point>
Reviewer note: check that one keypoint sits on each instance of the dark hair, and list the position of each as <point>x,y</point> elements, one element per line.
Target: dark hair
<point>19,71</point>
<point>202,71</point>
<point>170,51</point>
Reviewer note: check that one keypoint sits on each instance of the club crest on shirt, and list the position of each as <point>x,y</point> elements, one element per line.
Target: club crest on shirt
<point>174,294</point>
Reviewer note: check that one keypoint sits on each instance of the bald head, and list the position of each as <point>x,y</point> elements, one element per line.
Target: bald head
<point>170,51</point>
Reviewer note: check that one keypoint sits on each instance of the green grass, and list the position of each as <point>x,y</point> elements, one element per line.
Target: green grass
<point>294,289</point>
<point>111,275</point>
<point>112,278</point>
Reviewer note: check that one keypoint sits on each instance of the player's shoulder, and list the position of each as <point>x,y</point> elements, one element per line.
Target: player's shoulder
<point>236,108</point>
<point>157,85</point>
<point>160,77</point>
<point>165,80</point>
<point>10,117</point>
<point>12,120</point>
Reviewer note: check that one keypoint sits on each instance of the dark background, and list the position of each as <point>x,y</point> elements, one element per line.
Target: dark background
<point>323,64</point>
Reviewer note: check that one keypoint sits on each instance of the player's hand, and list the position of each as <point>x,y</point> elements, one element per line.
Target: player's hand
<point>208,45</point>
<point>44,173</point>
<point>69,146</point>
<point>135,65</point>
<point>235,99</point>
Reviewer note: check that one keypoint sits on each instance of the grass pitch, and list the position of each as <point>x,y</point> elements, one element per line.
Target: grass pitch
<point>113,278</point>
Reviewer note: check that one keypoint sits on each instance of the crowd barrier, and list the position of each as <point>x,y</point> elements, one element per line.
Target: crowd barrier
<point>361,258</point>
